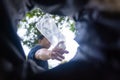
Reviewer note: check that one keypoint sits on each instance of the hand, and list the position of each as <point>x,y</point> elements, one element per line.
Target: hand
<point>61,44</point>
<point>57,52</point>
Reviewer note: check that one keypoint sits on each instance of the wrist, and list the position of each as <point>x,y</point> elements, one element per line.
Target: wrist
<point>49,54</point>
<point>42,54</point>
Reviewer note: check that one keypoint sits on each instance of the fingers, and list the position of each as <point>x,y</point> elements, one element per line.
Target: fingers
<point>60,51</point>
<point>60,55</point>
<point>61,42</point>
<point>59,59</point>
<point>57,56</point>
<point>57,53</point>
<point>63,51</point>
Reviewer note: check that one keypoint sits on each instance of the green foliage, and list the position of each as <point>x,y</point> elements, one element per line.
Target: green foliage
<point>72,28</point>
<point>30,20</point>
<point>35,12</point>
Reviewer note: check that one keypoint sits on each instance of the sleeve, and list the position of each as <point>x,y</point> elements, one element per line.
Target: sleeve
<point>31,54</point>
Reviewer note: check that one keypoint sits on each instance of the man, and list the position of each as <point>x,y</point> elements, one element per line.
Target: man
<point>40,53</point>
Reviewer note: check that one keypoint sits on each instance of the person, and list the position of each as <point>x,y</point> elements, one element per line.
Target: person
<point>40,53</point>
<point>97,32</point>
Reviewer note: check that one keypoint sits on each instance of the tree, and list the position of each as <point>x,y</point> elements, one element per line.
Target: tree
<point>29,23</point>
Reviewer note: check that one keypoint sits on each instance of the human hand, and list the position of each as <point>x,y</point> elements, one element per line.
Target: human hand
<point>58,51</point>
<point>61,44</point>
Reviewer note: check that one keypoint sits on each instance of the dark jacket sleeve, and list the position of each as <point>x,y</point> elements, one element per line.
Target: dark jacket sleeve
<point>31,54</point>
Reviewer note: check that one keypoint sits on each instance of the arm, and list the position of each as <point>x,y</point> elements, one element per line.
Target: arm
<point>43,54</point>
<point>55,53</point>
